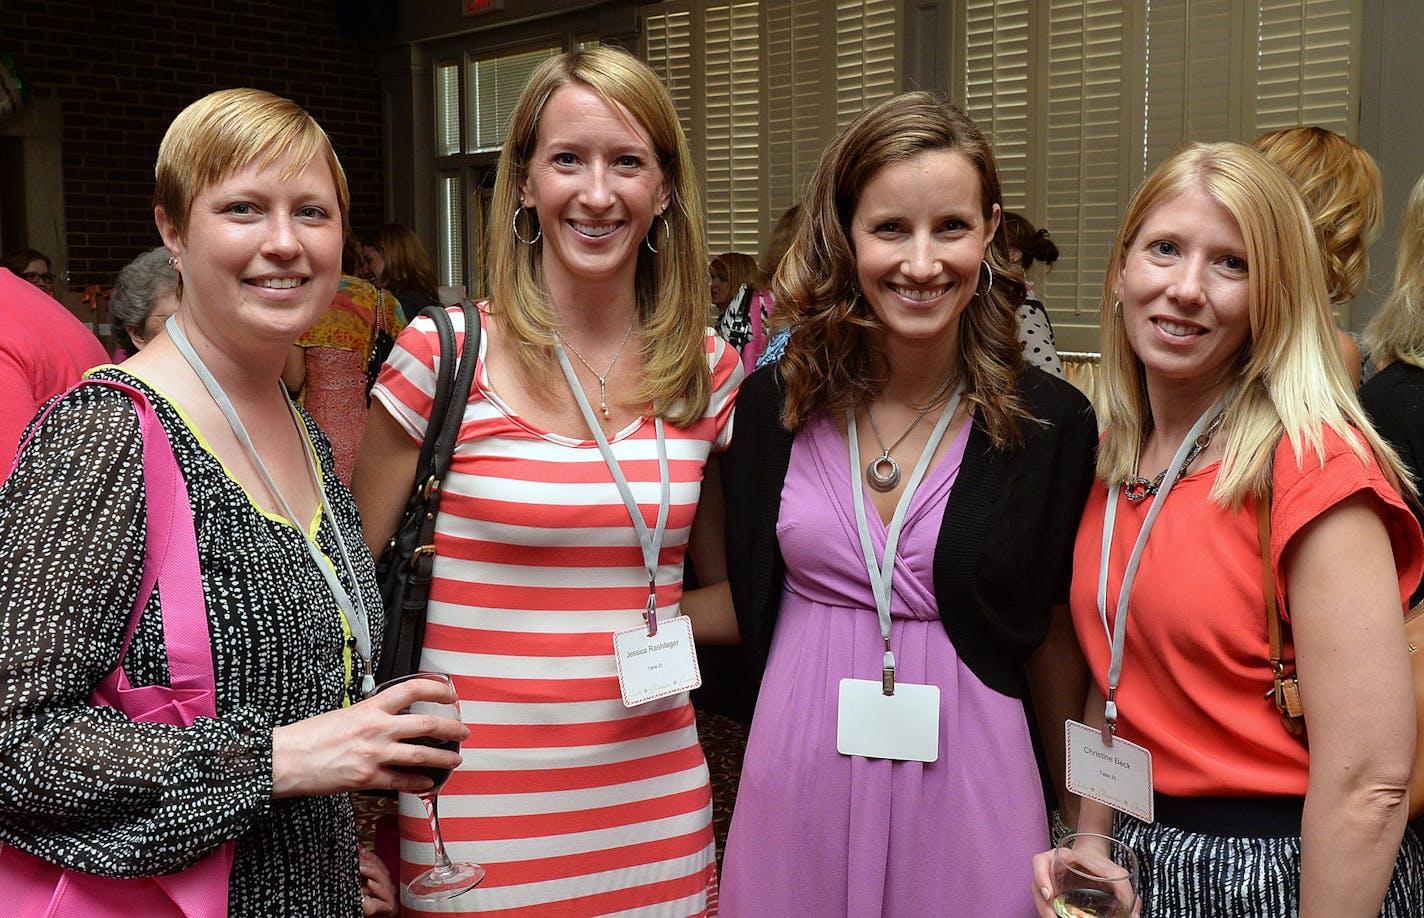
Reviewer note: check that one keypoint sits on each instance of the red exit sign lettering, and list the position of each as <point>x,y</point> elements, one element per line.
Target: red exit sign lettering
<point>480,7</point>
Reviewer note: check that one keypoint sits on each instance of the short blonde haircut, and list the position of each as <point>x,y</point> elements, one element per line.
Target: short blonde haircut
<point>1397,331</point>
<point>1289,378</point>
<point>670,286</point>
<point>832,360</point>
<point>1343,194</point>
<point>225,132</point>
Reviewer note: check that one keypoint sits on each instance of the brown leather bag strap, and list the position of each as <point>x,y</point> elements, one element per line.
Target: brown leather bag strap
<point>1268,581</point>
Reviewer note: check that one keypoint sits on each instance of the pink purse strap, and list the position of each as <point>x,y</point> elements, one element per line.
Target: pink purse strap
<point>171,553</point>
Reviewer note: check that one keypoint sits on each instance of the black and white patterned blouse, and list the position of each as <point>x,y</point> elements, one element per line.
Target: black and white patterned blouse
<point>1036,336</point>
<point>87,788</point>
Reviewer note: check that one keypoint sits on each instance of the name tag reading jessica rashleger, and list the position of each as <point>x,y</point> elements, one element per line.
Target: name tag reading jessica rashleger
<point>1119,775</point>
<point>657,666</point>
<point>903,726</point>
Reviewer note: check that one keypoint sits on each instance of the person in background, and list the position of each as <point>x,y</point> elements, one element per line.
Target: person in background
<point>251,203</point>
<point>375,264</point>
<point>145,295</point>
<point>1344,196</point>
<point>776,245</point>
<point>1027,245</point>
<point>1220,368</point>
<point>735,282</point>
<point>45,351</point>
<point>595,363</point>
<point>407,270</point>
<point>31,266</point>
<point>1394,339</point>
<point>333,365</point>
<point>904,363</point>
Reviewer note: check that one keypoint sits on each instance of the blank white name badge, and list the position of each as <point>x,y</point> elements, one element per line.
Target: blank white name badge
<point>1119,775</point>
<point>657,666</point>
<point>903,726</point>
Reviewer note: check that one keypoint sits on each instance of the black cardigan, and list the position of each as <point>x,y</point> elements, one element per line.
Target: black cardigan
<point>1005,549</point>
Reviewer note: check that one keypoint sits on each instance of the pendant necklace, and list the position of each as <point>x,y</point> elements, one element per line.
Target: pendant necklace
<point>602,377</point>
<point>883,472</point>
<point>1137,489</point>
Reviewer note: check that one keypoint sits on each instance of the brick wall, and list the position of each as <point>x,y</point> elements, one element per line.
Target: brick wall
<point>122,69</point>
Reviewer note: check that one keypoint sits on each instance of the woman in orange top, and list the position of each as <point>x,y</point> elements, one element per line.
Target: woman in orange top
<point>1220,369</point>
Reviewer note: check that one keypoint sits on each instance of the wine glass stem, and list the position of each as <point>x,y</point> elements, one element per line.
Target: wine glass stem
<point>432,812</point>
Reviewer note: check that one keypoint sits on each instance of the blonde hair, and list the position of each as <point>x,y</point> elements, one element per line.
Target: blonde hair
<point>1288,379</point>
<point>1397,331</point>
<point>225,132</point>
<point>670,286</point>
<point>831,359</point>
<point>1343,196</point>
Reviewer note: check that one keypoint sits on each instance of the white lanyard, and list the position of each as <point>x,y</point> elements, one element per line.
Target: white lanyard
<point>353,612</point>
<point>650,542</point>
<point>1117,633</point>
<point>881,573</point>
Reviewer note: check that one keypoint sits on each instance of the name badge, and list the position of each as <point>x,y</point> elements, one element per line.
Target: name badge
<point>657,666</point>
<point>1119,775</point>
<point>903,726</point>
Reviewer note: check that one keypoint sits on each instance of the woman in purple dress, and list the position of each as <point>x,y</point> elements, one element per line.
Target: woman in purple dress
<point>904,414</point>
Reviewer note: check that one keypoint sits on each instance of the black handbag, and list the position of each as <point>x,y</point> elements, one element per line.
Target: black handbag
<point>405,565</point>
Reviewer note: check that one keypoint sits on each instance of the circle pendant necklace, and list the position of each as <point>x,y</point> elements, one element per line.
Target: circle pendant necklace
<point>883,472</point>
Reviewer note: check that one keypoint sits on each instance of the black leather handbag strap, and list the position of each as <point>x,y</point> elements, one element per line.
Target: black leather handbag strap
<point>405,567</point>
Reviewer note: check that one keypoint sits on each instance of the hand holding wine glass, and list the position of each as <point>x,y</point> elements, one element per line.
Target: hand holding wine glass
<point>445,880</point>
<point>1094,876</point>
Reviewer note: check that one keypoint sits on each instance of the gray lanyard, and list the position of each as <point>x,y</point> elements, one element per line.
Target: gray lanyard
<point>1118,632</point>
<point>353,612</point>
<point>881,573</point>
<point>650,542</point>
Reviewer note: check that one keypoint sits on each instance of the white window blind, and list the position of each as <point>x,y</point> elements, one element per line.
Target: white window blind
<point>751,79</point>
<point>494,88</point>
<point>451,210</point>
<point>447,109</point>
<point>1084,97</point>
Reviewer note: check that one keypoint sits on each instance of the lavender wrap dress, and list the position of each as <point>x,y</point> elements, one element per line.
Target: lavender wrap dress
<point>818,833</point>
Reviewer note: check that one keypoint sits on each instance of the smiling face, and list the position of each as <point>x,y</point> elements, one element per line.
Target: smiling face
<point>262,253</point>
<point>596,186</point>
<point>1185,292</point>
<point>919,235</point>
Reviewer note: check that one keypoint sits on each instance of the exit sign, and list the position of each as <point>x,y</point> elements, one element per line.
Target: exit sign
<point>479,7</point>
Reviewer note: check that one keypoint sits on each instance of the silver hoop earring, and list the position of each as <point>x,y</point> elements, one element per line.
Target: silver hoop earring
<point>514,223</point>
<point>986,291</point>
<point>667,235</point>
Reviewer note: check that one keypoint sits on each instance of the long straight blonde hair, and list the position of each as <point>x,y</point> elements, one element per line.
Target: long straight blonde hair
<point>670,285</point>
<point>1289,379</point>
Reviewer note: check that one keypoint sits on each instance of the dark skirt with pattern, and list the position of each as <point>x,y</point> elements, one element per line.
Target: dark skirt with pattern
<point>1196,874</point>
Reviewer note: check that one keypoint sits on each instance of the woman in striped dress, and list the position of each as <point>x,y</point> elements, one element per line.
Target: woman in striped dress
<point>595,361</point>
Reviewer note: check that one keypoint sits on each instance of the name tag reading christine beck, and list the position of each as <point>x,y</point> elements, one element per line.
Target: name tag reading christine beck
<point>903,726</point>
<point>657,666</point>
<point>1119,775</point>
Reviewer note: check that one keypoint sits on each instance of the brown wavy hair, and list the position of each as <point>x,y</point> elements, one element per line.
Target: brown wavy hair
<point>408,266</point>
<point>1343,194</point>
<point>832,359</point>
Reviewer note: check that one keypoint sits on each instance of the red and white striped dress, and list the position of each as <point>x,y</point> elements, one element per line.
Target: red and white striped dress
<point>574,803</point>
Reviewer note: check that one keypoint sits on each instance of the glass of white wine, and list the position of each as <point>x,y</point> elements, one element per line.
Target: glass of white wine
<point>1094,876</point>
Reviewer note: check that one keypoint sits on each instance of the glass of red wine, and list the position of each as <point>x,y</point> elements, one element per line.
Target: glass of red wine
<point>445,880</point>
